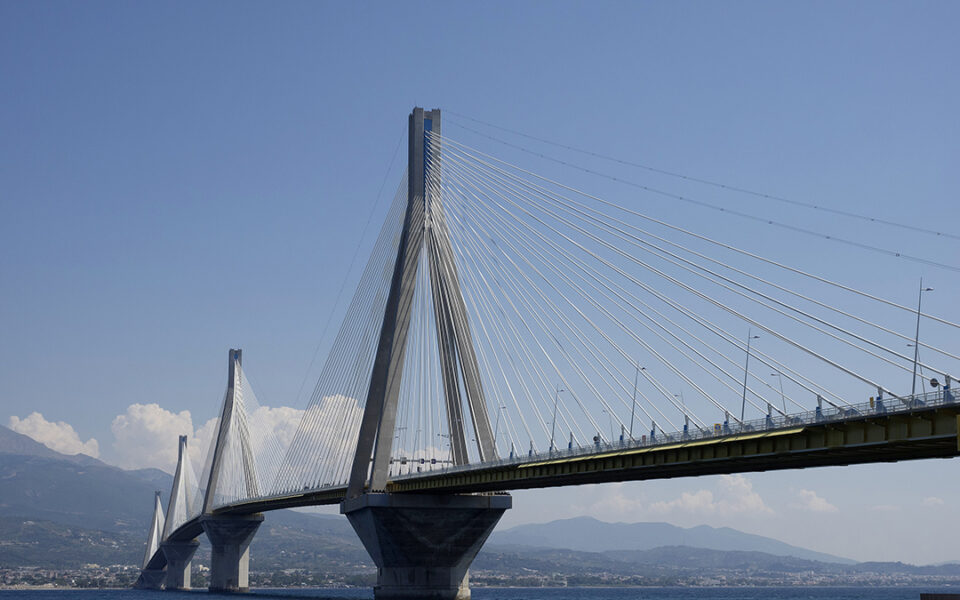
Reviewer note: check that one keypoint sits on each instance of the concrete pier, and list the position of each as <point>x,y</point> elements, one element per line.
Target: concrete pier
<point>423,544</point>
<point>230,539</point>
<point>151,579</point>
<point>178,555</point>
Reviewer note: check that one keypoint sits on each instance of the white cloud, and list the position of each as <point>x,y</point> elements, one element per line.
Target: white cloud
<point>58,436</point>
<point>734,494</point>
<point>328,433</point>
<point>146,436</point>
<point>932,501</point>
<point>809,500</point>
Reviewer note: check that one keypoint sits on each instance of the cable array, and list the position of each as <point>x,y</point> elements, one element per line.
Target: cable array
<point>322,449</point>
<point>571,301</point>
<point>593,324</point>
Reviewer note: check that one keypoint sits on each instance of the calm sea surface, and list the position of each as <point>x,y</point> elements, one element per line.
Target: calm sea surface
<point>793,593</point>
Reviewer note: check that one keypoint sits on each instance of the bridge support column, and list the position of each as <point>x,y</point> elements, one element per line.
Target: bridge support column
<point>151,579</point>
<point>178,555</point>
<point>423,544</point>
<point>230,539</point>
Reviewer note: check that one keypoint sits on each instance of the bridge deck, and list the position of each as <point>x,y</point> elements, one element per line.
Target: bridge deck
<point>850,436</point>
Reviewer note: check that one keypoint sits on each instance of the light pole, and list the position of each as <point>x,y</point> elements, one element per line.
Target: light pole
<point>783,398</point>
<point>497,425</point>
<point>556,396</point>
<point>923,380</point>
<point>633,407</point>
<point>610,420</point>
<point>746,365</point>
<point>916,339</point>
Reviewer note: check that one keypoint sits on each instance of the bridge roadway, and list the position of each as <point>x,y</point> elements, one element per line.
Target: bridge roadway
<point>868,433</point>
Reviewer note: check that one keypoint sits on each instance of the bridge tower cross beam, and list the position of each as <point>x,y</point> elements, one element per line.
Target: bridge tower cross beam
<point>424,230</point>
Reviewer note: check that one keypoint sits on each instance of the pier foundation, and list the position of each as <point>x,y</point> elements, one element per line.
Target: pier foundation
<point>178,555</point>
<point>230,539</point>
<point>423,544</point>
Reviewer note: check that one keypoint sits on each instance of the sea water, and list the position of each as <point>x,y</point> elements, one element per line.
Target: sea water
<point>673,593</point>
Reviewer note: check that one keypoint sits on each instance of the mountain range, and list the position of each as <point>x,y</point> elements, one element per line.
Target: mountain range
<point>587,534</point>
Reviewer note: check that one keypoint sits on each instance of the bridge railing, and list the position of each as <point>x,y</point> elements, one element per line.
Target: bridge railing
<point>768,424</point>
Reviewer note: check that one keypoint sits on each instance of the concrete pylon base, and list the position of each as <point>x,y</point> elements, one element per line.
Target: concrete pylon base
<point>423,544</point>
<point>178,555</point>
<point>151,579</point>
<point>230,539</point>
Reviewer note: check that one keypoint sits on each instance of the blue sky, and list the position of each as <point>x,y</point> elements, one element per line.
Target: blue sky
<point>177,179</point>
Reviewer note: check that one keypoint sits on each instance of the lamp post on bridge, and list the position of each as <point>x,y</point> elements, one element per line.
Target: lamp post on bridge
<point>746,365</point>
<point>633,407</point>
<point>556,397</point>
<point>496,427</point>
<point>783,398</point>
<point>916,339</point>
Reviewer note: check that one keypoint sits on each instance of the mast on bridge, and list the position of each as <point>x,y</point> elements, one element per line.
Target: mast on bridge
<point>424,227</point>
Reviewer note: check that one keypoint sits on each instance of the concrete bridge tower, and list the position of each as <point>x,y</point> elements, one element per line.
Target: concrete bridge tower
<point>230,535</point>
<point>422,544</point>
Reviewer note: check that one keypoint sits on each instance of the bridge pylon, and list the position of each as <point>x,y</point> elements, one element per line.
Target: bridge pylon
<point>152,576</point>
<point>179,554</point>
<point>422,544</point>
<point>230,536</point>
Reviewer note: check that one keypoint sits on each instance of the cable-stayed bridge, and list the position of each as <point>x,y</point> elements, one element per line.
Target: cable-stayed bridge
<point>512,331</point>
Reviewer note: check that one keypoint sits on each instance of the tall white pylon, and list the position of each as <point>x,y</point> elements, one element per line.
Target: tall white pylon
<point>233,441</point>
<point>154,537</point>
<point>182,493</point>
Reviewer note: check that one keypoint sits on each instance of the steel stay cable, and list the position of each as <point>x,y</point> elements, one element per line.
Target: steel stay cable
<point>600,278</point>
<point>613,318</point>
<point>562,275</point>
<point>720,332</point>
<point>781,312</point>
<point>688,232</point>
<point>515,335</point>
<point>764,220</point>
<point>583,339</point>
<point>633,239</point>
<point>556,369</point>
<point>600,215</point>
<point>716,184</point>
<point>734,312</point>
<point>578,334</point>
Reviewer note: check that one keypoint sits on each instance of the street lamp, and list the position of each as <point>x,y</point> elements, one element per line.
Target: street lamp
<point>556,396</point>
<point>633,407</point>
<point>916,339</point>
<point>497,425</point>
<point>746,365</point>
<point>783,398</point>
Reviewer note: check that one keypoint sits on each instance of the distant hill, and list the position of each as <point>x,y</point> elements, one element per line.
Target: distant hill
<point>591,535</point>
<point>671,563</point>
<point>94,496</point>
<point>12,442</point>
<point>38,543</point>
<point>77,490</point>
